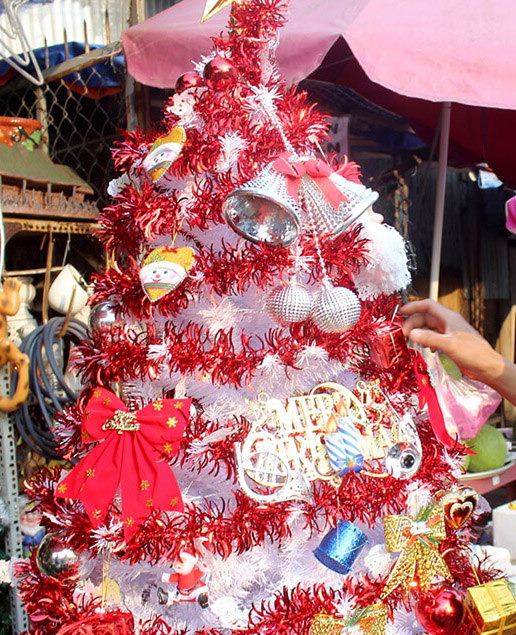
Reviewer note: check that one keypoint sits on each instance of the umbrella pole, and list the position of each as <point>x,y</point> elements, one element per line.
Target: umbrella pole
<point>439,200</point>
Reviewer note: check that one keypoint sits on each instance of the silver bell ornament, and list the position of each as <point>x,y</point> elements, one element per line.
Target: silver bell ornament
<point>326,219</point>
<point>262,209</point>
<point>289,304</point>
<point>336,310</point>
<point>54,557</point>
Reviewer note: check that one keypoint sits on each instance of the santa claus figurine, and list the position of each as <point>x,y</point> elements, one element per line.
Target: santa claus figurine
<point>188,578</point>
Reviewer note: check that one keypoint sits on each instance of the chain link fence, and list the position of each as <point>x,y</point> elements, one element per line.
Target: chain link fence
<point>81,114</point>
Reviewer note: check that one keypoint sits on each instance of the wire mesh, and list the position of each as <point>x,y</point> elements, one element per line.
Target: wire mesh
<point>80,120</point>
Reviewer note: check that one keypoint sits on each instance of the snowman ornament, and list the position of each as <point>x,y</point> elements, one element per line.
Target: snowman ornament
<point>164,269</point>
<point>163,153</point>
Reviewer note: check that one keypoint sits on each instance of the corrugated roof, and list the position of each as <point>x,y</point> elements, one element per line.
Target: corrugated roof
<point>36,167</point>
<point>48,20</point>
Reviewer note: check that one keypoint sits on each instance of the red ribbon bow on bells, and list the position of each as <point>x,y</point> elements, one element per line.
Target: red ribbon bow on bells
<point>130,456</point>
<point>317,169</point>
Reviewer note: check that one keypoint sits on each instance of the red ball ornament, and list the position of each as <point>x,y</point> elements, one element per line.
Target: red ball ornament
<point>188,80</point>
<point>440,611</point>
<point>220,74</point>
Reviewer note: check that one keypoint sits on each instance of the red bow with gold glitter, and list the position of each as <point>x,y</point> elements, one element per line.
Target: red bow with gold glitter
<point>317,170</point>
<point>130,456</point>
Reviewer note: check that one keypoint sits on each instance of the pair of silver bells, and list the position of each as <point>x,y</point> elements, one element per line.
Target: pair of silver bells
<point>263,210</point>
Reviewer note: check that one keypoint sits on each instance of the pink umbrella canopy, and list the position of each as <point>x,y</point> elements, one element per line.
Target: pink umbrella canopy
<point>461,51</point>
<point>408,55</point>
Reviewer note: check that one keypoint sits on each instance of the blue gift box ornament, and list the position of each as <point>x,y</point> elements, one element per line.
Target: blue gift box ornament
<point>340,547</point>
<point>343,447</point>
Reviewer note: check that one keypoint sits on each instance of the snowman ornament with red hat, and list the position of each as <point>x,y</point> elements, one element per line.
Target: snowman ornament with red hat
<point>164,269</point>
<point>188,577</point>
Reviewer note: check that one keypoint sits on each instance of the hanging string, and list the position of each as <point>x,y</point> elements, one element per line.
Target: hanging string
<point>106,561</point>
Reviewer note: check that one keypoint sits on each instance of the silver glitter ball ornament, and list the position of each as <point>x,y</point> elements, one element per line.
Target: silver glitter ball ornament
<point>336,310</point>
<point>403,460</point>
<point>54,557</point>
<point>289,305</point>
<point>104,317</point>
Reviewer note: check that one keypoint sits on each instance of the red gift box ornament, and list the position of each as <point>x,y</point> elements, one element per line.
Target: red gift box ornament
<point>130,456</point>
<point>388,347</point>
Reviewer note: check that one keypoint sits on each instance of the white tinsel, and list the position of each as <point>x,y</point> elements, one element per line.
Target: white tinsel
<point>223,315</point>
<point>454,462</point>
<point>386,270</point>
<point>303,263</point>
<point>267,63</point>
<point>378,561</point>
<point>230,613</point>
<point>231,145</point>
<point>419,497</point>
<point>262,102</point>
<point>404,623</point>
<point>105,536</point>
<point>346,606</point>
<point>199,446</point>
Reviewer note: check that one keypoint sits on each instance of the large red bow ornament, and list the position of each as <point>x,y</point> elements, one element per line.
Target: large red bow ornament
<point>130,456</point>
<point>318,171</point>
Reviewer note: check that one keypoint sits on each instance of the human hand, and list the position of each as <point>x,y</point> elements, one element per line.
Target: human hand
<point>432,325</point>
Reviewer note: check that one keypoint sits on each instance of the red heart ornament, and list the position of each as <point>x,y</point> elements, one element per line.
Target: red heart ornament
<point>458,505</point>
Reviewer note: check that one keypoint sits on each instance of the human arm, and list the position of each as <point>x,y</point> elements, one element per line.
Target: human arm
<point>432,325</point>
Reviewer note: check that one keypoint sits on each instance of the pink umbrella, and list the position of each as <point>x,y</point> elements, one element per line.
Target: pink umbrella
<point>438,51</point>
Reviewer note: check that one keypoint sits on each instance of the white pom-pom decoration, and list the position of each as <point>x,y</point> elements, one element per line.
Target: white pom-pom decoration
<point>386,267</point>
<point>336,310</point>
<point>289,305</point>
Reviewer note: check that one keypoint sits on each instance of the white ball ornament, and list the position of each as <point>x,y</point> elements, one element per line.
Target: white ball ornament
<point>336,310</point>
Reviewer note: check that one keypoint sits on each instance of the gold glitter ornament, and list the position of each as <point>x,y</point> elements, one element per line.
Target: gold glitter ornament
<point>418,542</point>
<point>375,620</point>
<point>324,624</point>
<point>492,607</point>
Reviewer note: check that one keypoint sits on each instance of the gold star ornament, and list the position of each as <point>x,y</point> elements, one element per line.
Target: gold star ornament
<point>212,7</point>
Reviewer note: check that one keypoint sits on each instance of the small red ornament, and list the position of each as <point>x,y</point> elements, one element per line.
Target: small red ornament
<point>188,80</point>
<point>388,346</point>
<point>220,74</point>
<point>440,611</point>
